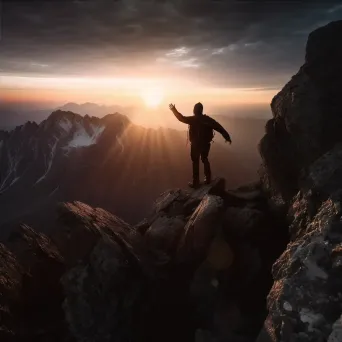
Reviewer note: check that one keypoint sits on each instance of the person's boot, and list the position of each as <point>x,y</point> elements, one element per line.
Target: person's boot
<point>207,180</point>
<point>194,184</point>
<point>207,172</point>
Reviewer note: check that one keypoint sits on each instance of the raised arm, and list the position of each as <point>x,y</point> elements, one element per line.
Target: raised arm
<point>185,119</point>
<point>217,127</point>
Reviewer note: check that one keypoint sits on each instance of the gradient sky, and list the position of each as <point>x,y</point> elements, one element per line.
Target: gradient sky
<point>112,51</point>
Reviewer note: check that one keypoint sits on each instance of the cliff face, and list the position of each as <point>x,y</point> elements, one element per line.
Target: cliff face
<point>307,119</point>
<point>302,158</point>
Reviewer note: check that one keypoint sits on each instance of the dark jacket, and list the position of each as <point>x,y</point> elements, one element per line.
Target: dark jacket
<point>196,123</point>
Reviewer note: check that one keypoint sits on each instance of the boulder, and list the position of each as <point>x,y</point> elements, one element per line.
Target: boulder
<point>103,293</point>
<point>306,297</point>
<point>42,266</point>
<point>104,287</point>
<point>37,313</point>
<point>162,237</point>
<point>181,202</point>
<point>11,274</point>
<point>200,229</point>
<point>80,226</point>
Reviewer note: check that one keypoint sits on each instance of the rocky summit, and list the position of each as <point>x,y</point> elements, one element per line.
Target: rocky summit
<point>184,273</point>
<point>259,263</point>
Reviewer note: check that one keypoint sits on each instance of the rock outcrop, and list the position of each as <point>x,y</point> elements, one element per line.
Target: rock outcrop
<point>181,274</point>
<point>307,118</point>
<point>302,158</point>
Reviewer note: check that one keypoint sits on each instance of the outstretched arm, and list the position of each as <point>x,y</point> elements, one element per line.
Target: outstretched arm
<point>217,127</point>
<point>179,116</point>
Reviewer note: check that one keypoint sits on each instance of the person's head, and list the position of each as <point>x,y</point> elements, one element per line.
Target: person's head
<point>198,109</point>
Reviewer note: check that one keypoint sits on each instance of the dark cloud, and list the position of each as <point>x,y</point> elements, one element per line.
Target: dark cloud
<point>244,43</point>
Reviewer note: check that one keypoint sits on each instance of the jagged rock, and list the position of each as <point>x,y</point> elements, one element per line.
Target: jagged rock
<point>38,313</point>
<point>176,202</point>
<point>10,292</point>
<point>200,229</point>
<point>307,120</point>
<point>81,226</point>
<point>174,272</point>
<point>102,293</point>
<point>325,174</point>
<point>42,264</point>
<point>166,223</point>
<point>336,334</point>
<point>217,187</point>
<point>302,151</point>
<point>163,235</point>
<point>306,297</point>
<point>11,274</point>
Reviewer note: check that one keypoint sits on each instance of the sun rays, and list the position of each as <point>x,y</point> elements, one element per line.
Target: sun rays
<point>152,97</point>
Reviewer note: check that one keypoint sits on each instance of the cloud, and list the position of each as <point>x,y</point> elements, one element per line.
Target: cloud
<point>188,63</point>
<point>335,8</point>
<point>253,45</point>
<point>179,52</point>
<point>229,41</point>
<point>218,51</point>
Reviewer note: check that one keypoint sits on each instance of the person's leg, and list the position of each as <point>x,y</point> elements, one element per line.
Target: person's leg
<point>204,156</point>
<point>195,156</point>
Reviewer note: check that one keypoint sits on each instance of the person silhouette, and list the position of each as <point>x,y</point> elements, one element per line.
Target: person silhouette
<point>201,133</point>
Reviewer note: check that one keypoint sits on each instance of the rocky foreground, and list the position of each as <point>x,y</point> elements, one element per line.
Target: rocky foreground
<point>263,262</point>
<point>197,269</point>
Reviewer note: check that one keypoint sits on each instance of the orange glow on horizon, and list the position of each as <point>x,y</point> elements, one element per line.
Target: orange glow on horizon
<point>148,96</point>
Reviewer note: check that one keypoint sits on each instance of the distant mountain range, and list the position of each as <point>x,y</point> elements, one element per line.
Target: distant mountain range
<point>107,162</point>
<point>12,116</point>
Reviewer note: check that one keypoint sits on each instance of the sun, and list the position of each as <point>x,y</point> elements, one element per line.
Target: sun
<point>152,97</point>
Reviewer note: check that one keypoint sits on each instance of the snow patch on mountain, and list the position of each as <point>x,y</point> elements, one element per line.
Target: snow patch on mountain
<point>14,181</point>
<point>82,138</point>
<point>119,141</point>
<point>66,125</point>
<point>54,191</point>
<point>49,161</point>
<point>13,162</point>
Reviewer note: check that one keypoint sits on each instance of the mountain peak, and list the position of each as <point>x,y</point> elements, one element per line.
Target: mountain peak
<point>60,114</point>
<point>324,44</point>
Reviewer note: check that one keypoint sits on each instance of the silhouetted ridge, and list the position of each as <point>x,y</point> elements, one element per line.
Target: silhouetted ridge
<point>303,170</point>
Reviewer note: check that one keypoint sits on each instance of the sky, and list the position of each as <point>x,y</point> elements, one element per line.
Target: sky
<point>150,52</point>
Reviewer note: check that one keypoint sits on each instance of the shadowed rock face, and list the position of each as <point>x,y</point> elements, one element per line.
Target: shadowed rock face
<point>10,288</point>
<point>32,295</point>
<point>307,119</point>
<point>305,301</point>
